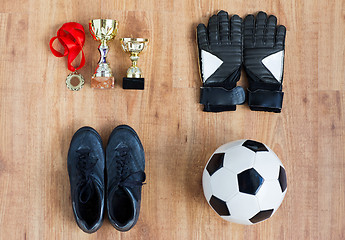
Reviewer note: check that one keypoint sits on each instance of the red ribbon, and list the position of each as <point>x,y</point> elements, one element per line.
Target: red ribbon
<point>72,37</point>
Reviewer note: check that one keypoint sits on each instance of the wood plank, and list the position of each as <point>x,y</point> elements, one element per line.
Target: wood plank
<point>38,117</point>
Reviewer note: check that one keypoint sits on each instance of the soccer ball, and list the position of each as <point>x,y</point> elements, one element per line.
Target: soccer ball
<point>244,182</point>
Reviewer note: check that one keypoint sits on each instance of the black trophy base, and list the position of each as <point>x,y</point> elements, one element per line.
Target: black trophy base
<point>133,83</point>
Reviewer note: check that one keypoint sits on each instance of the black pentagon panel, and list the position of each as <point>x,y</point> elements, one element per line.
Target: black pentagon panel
<point>249,181</point>
<point>219,206</point>
<point>255,146</point>
<point>215,163</point>
<point>262,215</point>
<point>282,179</point>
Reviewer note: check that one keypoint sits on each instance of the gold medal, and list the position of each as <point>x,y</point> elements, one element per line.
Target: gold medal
<point>72,37</point>
<point>75,81</point>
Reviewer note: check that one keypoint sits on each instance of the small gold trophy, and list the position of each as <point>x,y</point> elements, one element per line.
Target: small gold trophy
<point>134,78</point>
<point>103,30</point>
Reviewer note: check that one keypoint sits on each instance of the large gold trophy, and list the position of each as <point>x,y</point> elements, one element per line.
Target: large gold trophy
<point>103,30</point>
<point>134,46</point>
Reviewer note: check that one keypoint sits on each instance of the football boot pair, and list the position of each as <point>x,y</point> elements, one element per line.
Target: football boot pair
<point>114,177</point>
<point>224,45</point>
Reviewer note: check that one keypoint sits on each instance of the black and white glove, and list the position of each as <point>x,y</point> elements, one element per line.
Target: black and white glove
<point>263,54</point>
<point>220,59</point>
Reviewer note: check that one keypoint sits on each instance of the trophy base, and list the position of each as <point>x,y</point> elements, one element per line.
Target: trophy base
<point>133,83</point>
<point>102,82</point>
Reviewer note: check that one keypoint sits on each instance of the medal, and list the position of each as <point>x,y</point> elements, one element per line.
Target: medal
<point>72,37</point>
<point>75,86</point>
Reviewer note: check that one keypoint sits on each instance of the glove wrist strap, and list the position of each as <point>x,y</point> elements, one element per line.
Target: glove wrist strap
<point>222,97</point>
<point>265,100</point>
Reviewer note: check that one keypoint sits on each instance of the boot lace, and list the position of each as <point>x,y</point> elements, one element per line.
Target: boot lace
<point>85,165</point>
<point>124,178</point>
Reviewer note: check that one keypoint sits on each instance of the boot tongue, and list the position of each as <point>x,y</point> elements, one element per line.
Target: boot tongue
<point>86,192</point>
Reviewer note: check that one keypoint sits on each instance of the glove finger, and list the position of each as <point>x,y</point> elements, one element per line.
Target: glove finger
<point>249,31</point>
<point>224,27</point>
<point>213,30</point>
<point>271,31</point>
<point>236,33</point>
<point>202,36</point>
<point>280,38</point>
<point>260,27</point>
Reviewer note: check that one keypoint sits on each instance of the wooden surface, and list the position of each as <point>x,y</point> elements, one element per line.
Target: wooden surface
<point>38,117</point>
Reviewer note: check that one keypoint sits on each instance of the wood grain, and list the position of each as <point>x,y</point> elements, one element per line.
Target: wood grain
<point>38,117</point>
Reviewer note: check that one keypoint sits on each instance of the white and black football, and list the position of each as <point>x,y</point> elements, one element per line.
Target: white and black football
<point>244,182</point>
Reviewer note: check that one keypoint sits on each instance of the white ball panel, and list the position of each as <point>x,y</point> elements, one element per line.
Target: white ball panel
<point>236,220</point>
<point>239,159</point>
<point>273,153</point>
<point>283,196</point>
<point>229,145</point>
<point>270,195</point>
<point>206,184</point>
<point>224,184</point>
<point>243,206</point>
<point>267,165</point>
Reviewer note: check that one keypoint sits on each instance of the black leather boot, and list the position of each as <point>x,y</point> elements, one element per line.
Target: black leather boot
<point>86,173</point>
<point>125,160</point>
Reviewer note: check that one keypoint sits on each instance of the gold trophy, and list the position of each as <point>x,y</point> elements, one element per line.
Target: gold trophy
<point>103,30</point>
<point>134,46</point>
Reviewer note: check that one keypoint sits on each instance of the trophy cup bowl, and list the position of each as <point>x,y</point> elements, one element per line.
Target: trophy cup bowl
<point>103,30</point>
<point>134,46</point>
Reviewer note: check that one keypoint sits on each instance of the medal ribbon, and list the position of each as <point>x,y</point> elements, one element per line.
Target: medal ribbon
<point>72,37</point>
